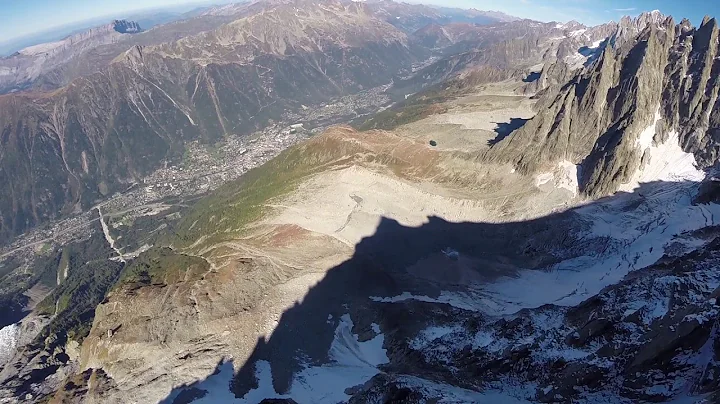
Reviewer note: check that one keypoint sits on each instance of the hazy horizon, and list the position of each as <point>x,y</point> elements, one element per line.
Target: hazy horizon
<point>28,20</point>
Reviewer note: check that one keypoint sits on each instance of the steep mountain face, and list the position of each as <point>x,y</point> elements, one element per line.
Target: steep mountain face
<point>306,27</point>
<point>62,151</point>
<point>552,51</point>
<point>645,94</point>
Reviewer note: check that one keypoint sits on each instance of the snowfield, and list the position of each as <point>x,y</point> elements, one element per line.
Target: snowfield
<point>635,237</point>
<point>8,342</point>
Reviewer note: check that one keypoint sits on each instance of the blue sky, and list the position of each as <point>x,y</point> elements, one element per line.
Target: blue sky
<point>19,18</point>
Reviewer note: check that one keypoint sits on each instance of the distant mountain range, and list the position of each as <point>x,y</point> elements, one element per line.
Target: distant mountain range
<point>191,71</point>
<point>147,19</point>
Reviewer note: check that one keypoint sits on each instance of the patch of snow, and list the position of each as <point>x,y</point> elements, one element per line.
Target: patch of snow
<point>351,363</point>
<point>564,176</point>
<point>430,334</point>
<point>265,389</point>
<point>701,317</point>
<point>483,339</point>
<point>217,386</point>
<point>543,178</point>
<point>577,32</point>
<point>667,162</point>
<point>576,60</point>
<point>644,141</point>
<point>567,177</point>
<point>547,324</point>
<point>8,342</point>
<point>458,300</point>
<point>451,253</point>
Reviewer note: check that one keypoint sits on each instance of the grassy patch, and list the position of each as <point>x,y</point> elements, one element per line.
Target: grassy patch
<point>401,115</point>
<point>162,266</point>
<point>239,203</point>
<point>45,248</point>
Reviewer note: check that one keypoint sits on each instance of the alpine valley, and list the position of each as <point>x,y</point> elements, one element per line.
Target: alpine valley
<point>325,201</point>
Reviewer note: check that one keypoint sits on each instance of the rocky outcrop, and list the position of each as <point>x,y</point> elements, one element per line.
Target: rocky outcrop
<point>125,27</point>
<point>642,88</point>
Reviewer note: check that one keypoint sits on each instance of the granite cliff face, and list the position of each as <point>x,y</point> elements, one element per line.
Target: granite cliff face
<point>651,85</point>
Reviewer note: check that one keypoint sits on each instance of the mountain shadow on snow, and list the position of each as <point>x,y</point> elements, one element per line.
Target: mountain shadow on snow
<point>393,289</point>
